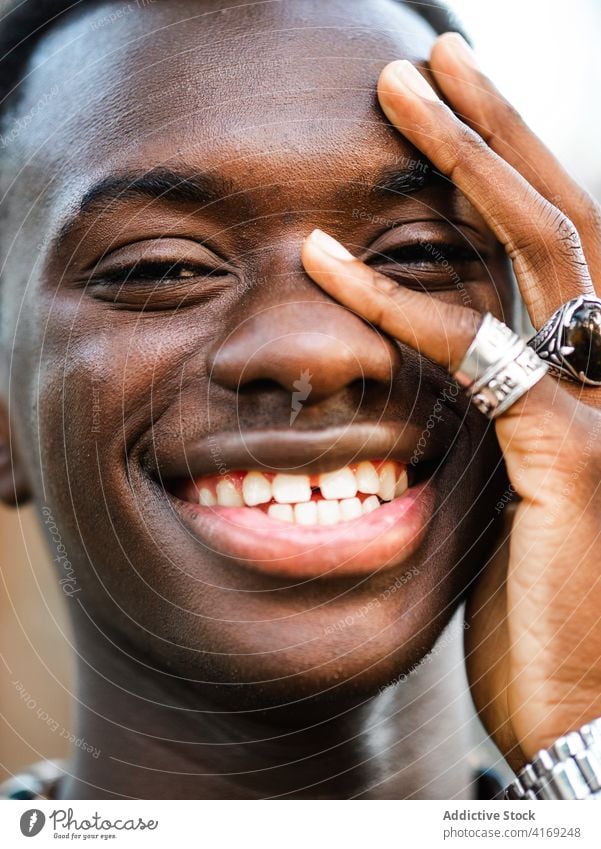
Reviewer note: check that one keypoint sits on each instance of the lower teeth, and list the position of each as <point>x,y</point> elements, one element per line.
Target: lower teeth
<point>323,511</point>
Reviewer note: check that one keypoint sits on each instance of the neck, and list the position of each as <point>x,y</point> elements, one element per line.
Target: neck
<point>411,741</point>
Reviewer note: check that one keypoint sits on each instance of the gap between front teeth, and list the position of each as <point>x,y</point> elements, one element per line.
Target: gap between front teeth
<point>346,493</point>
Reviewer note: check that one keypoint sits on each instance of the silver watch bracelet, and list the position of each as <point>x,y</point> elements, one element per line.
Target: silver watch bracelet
<point>569,769</point>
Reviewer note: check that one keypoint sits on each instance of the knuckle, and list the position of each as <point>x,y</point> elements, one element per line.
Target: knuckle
<point>553,223</point>
<point>510,115</point>
<point>459,148</point>
<point>467,322</point>
<point>552,235</point>
<point>567,231</point>
<point>381,283</point>
<point>506,116</point>
<point>582,210</point>
<point>385,286</point>
<point>567,240</point>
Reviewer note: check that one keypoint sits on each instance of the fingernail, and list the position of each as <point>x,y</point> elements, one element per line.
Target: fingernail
<point>329,245</point>
<point>411,78</point>
<point>461,49</point>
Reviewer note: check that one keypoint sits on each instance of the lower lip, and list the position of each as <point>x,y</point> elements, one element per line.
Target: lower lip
<point>379,540</point>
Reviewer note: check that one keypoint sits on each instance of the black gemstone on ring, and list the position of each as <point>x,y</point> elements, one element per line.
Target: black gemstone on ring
<point>583,333</point>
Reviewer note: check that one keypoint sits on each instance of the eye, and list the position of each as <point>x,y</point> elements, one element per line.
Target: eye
<point>430,254</point>
<point>161,273</point>
<point>430,265</point>
<point>159,284</point>
<point>155,272</point>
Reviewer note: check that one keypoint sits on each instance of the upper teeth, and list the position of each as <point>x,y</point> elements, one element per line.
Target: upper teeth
<point>294,494</point>
<point>289,489</point>
<point>387,482</point>
<point>228,495</point>
<point>339,484</point>
<point>367,478</point>
<point>256,489</point>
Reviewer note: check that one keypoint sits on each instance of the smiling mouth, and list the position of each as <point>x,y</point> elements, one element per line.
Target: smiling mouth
<point>311,504</point>
<point>330,498</point>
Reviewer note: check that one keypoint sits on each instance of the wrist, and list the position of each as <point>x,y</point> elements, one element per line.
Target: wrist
<point>539,724</point>
<point>570,768</point>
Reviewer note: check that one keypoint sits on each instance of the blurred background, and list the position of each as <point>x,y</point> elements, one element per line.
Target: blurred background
<point>544,56</point>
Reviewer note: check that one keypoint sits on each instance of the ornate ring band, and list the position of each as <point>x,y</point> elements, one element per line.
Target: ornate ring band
<point>498,368</point>
<point>570,342</point>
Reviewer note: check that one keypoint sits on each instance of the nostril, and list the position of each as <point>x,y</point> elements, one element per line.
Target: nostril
<point>259,386</point>
<point>369,385</point>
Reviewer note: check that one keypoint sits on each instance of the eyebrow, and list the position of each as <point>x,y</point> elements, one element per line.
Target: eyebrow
<point>204,188</point>
<point>163,184</point>
<point>405,178</point>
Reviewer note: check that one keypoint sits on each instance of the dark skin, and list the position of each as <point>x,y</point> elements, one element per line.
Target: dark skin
<point>180,646</point>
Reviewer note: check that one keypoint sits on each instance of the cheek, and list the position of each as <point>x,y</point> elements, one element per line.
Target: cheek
<point>105,370</point>
<point>493,294</point>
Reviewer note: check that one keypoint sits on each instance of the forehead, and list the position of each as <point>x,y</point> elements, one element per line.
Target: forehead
<point>151,82</point>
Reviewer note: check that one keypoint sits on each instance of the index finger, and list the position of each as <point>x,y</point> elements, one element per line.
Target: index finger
<point>438,330</point>
<point>541,241</point>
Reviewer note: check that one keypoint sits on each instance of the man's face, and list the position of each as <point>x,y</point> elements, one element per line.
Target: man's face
<point>165,340</point>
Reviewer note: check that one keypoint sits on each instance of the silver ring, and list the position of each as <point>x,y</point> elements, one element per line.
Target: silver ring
<point>570,342</point>
<point>498,368</point>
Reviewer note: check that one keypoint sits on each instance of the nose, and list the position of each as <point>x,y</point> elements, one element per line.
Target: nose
<point>316,347</point>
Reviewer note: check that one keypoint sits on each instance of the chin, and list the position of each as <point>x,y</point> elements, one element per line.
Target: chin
<point>290,667</point>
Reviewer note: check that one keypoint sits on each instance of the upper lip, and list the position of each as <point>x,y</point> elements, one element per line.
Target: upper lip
<point>293,451</point>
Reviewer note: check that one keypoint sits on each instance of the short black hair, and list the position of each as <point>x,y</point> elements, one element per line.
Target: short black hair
<point>24,22</point>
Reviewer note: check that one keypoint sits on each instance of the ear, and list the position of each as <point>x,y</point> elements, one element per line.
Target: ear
<point>14,488</point>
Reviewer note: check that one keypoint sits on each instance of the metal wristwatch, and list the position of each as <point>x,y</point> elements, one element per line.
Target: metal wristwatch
<point>569,769</point>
